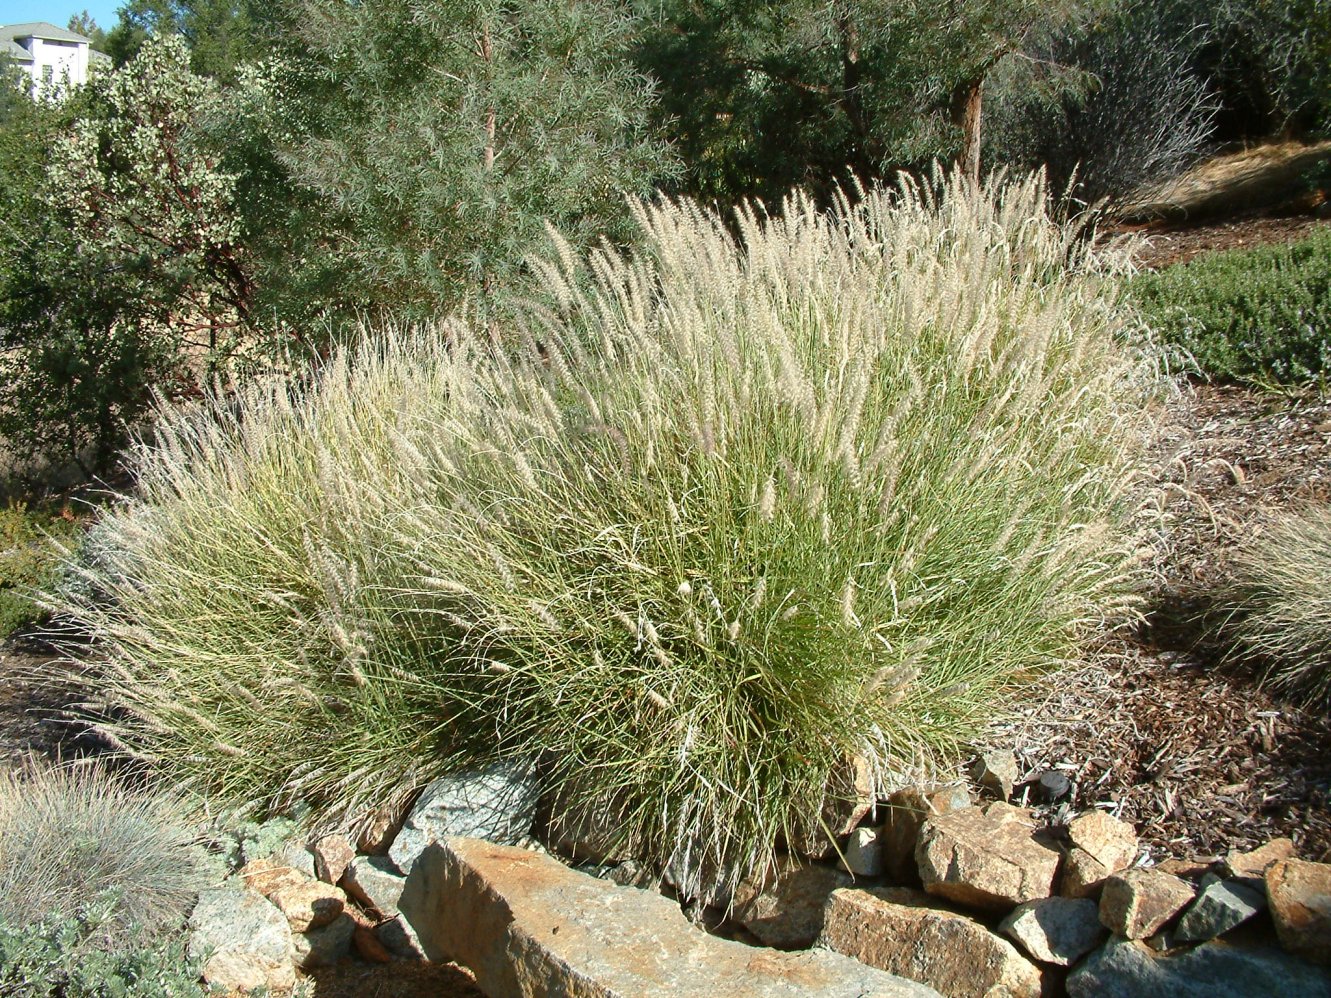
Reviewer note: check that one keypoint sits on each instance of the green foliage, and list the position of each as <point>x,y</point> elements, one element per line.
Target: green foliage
<point>79,843</point>
<point>737,508</point>
<point>45,958</point>
<point>125,272</point>
<point>29,560</point>
<point>1261,316</point>
<point>441,137</point>
<point>1281,603</point>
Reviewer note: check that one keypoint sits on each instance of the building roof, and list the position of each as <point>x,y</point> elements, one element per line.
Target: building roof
<point>15,51</point>
<point>40,29</point>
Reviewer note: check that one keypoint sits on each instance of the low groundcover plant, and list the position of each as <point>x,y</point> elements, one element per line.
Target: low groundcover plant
<point>731,509</point>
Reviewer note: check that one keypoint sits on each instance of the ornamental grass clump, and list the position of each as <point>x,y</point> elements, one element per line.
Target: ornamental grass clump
<point>735,508</point>
<point>1280,603</point>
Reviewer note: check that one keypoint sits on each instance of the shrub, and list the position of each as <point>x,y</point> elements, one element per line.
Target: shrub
<point>53,960</point>
<point>1281,603</point>
<point>29,562</point>
<point>1260,315</point>
<point>739,507</point>
<point>79,844</point>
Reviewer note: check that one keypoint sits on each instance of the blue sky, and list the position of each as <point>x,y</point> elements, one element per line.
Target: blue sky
<point>58,12</point>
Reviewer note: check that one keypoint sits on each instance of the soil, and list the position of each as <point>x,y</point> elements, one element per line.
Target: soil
<point>1156,726</point>
<point>1164,247</point>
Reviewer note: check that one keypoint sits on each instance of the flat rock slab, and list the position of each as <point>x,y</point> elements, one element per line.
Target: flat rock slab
<point>242,939</point>
<point>528,926</point>
<point>1127,969</point>
<point>899,930</point>
<point>986,857</point>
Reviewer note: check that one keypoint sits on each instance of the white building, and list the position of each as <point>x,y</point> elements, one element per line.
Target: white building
<point>56,59</point>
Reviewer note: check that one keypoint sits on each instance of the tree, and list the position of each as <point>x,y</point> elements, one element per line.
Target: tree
<point>221,34</point>
<point>441,136</point>
<point>83,24</point>
<point>131,276</point>
<point>764,97</point>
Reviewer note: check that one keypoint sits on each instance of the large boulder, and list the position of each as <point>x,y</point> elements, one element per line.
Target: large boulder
<point>1300,897</point>
<point>242,940</point>
<point>1056,930</point>
<point>497,803</point>
<point>1128,969</point>
<point>986,857</point>
<point>899,930</point>
<point>527,925</point>
<point>1136,903</point>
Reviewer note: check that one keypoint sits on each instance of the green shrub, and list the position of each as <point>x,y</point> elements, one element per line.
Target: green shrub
<point>73,837</point>
<point>740,507</point>
<point>1261,315</point>
<point>29,562</point>
<point>54,960</point>
<point>1281,603</point>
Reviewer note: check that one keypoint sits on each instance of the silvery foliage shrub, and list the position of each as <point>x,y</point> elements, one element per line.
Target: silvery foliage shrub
<point>1280,603</point>
<point>1105,107</point>
<point>78,843</point>
<point>733,510</point>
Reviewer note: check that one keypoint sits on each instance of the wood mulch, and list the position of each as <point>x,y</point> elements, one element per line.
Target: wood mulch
<point>1165,246</point>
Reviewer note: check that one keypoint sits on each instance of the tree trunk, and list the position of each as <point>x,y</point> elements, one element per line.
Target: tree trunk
<point>850,90</point>
<point>487,55</point>
<point>966,101</point>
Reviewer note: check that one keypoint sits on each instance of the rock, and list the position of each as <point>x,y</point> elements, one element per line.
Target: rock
<point>864,852</point>
<point>1221,906</point>
<point>368,947</point>
<point>897,930</point>
<point>526,925</point>
<point>1300,897</point>
<point>996,772</point>
<point>497,803</point>
<point>1112,843</point>
<point>1083,876</point>
<point>332,855</point>
<point>1052,786</point>
<point>630,873</point>
<point>1056,930</point>
<point>307,903</point>
<point>787,912</point>
<point>1187,869</point>
<point>848,798</point>
<point>586,830</point>
<point>243,941</point>
<point>375,883</point>
<point>906,813</point>
<point>1251,866</point>
<point>399,938</point>
<point>1137,903</point>
<point>1126,969</point>
<point>985,857</point>
<point>296,856</point>
<point>324,946</point>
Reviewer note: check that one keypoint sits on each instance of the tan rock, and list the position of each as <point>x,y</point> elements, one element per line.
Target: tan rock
<point>848,798</point>
<point>1300,897</point>
<point>787,912</point>
<point>1136,903</point>
<point>996,772</point>
<point>1110,842</point>
<point>308,904</point>
<point>1252,865</point>
<point>1082,875</point>
<point>1188,869</point>
<point>378,828</point>
<point>526,925</point>
<point>986,857</point>
<point>241,940</point>
<point>898,930</point>
<point>907,811</point>
<point>368,946</point>
<point>332,855</point>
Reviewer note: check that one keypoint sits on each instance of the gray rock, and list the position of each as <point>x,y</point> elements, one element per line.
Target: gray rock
<point>375,883</point>
<point>294,854</point>
<point>323,947</point>
<point>242,939</point>
<point>399,938</point>
<point>1056,930</point>
<point>1127,969</point>
<point>864,852</point>
<point>497,803</point>
<point>1221,905</point>
<point>996,772</point>
<point>526,925</point>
